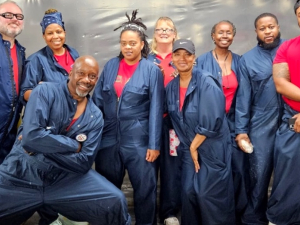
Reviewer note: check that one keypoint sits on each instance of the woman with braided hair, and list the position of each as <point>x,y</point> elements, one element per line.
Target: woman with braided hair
<point>130,93</point>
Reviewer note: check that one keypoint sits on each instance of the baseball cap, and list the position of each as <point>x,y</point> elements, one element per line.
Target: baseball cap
<point>184,44</point>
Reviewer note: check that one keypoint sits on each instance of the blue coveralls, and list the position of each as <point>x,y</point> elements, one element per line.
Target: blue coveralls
<point>10,107</point>
<point>55,176</point>
<point>284,202</point>
<point>170,172</point>
<point>42,66</point>
<point>258,112</point>
<point>208,63</point>
<point>207,196</point>
<point>132,124</point>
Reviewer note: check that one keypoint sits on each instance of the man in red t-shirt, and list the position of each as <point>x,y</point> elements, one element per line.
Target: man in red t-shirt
<point>284,203</point>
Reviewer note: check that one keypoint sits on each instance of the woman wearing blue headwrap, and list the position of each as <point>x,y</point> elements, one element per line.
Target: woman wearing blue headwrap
<point>53,62</point>
<point>50,64</point>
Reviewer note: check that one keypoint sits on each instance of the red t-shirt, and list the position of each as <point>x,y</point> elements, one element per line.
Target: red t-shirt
<point>125,72</point>
<point>14,57</point>
<point>65,61</point>
<point>71,124</point>
<point>288,53</point>
<point>182,92</point>
<point>230,85</point>
<point>168,68</point>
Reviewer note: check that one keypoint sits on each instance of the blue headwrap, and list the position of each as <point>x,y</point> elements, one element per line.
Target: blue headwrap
<point>52,18</point>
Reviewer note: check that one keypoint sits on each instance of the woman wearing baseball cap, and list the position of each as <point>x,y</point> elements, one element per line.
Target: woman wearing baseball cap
<point>196,105</point>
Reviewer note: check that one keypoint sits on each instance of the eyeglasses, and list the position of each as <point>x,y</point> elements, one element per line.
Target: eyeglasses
<point>9,15</point>
<point>161,30</point>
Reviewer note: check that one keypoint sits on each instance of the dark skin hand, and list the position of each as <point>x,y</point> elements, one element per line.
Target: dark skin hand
<point>152,155</point>
<point>239,139</point>
<point>297,123</point>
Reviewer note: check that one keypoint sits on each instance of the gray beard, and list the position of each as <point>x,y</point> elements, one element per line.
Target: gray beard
<point>8,33</point>
<point>80,94</point>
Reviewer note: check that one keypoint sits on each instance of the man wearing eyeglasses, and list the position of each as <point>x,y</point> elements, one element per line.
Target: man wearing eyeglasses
<point>12,57</point>
<point>284,204</point>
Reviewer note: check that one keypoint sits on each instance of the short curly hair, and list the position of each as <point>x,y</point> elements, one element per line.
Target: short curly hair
<point>213,29</point>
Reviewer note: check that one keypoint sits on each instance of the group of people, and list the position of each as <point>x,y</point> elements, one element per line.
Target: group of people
<point>156,107</point>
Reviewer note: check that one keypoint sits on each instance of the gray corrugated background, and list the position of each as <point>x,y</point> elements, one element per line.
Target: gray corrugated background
<point>90,23</point>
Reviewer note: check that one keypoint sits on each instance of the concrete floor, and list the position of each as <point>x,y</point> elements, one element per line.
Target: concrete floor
<point>34,220</point>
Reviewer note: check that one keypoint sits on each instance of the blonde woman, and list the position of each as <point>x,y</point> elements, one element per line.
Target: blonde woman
<point>165,33</point>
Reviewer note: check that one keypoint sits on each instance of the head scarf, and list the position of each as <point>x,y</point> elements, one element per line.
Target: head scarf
<point>52,18</point>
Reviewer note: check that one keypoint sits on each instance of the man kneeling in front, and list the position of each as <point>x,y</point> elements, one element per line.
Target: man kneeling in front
<point>50,162</point>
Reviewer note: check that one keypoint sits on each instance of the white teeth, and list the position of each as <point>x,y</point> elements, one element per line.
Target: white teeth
<point>84,87</point>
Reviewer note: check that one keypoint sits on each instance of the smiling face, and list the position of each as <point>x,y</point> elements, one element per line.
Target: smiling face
<point>183,60</point>
<point>165,32</point>
<point>55,37</point>
<point>223,35</point>
<point>267,29</point>
<point>131,46</point>
<point>10,28</point>
<point>83,76</point>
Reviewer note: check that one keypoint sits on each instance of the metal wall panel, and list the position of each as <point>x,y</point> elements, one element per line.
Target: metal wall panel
<point>90,23</point>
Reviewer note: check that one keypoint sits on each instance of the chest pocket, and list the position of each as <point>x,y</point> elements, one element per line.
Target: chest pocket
<point>107,93</point>
<point>134,96</point>
<point>260,80</point>
<point>171,107</point>
<point>191,103</point>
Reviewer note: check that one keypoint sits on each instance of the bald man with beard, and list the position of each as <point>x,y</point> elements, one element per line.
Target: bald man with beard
<point>50,163</point>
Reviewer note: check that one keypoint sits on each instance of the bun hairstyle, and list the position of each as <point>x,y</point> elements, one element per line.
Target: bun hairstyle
<point>50,11</point>
<point>51,16</point>
<point>135,24</point>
